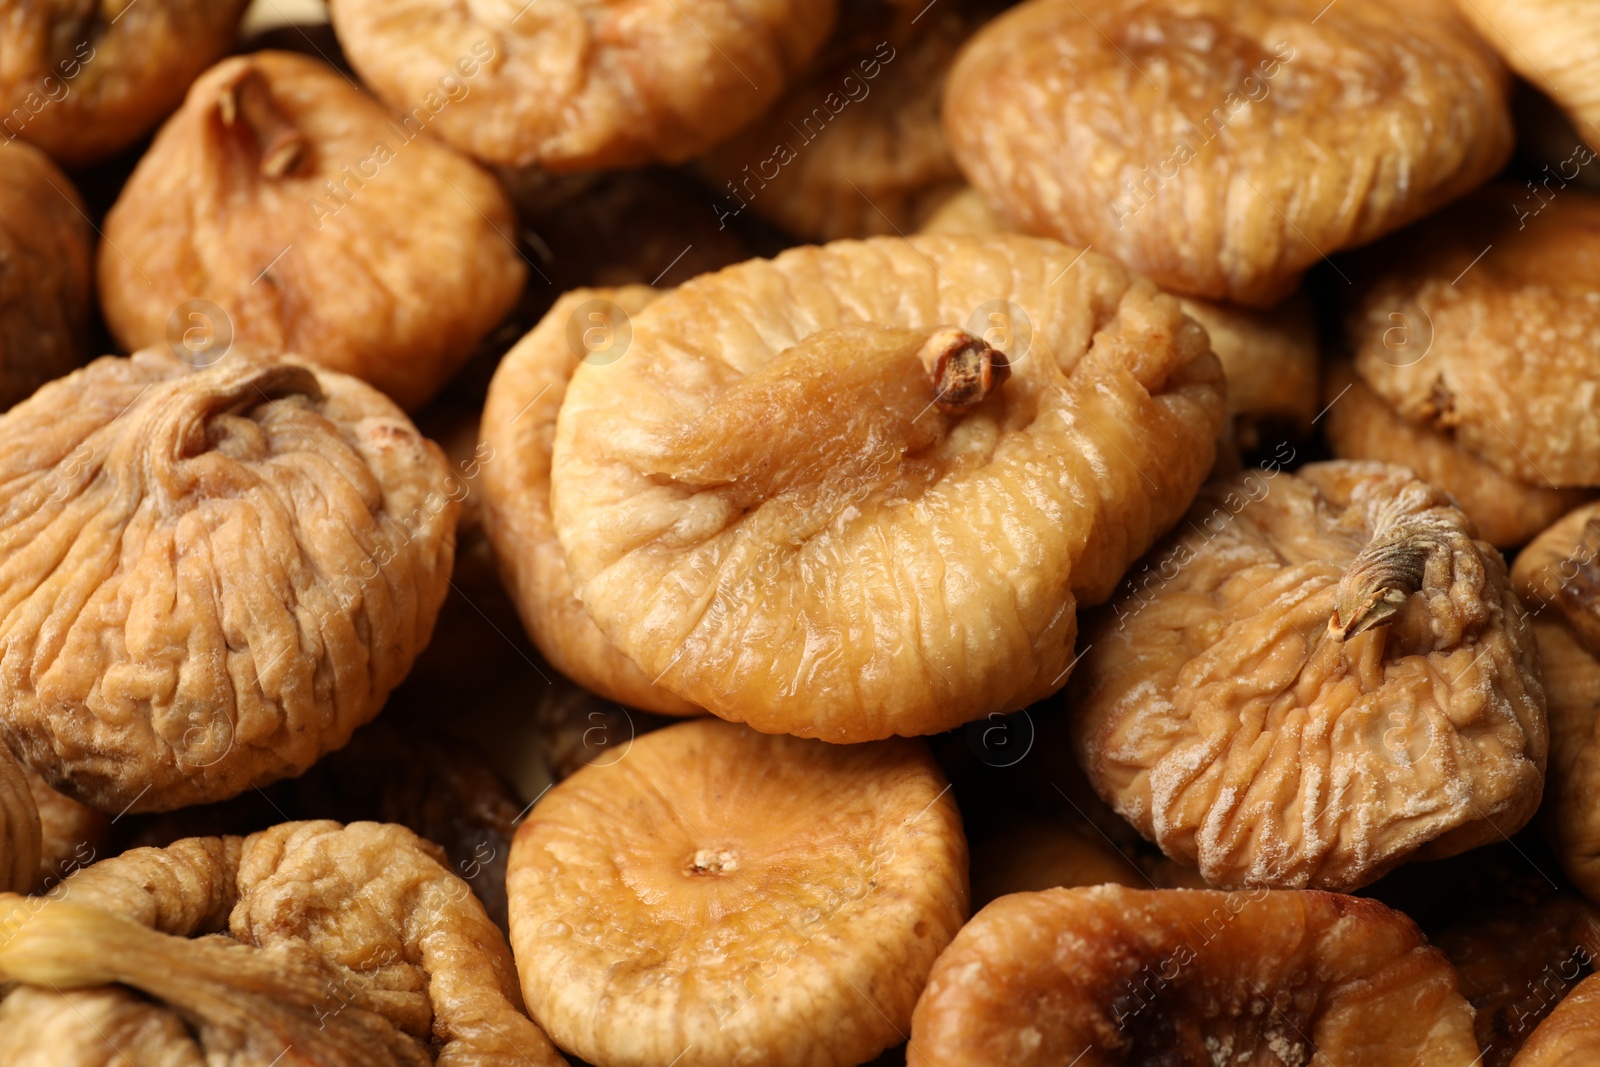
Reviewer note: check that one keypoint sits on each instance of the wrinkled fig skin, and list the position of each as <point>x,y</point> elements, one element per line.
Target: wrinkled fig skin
<point>1555,44</point>
<point>582,84</point>
<point>208,578</point>
<point>340,946</point>
<point>519,429</point>
<point>1503,357</point>
<point>763,507</point>
<point>735,898</point>
<point>1221,713</point>
<point>84,79</point>
<point>1570,1034</point>
<point>1507,512</point>
<point>20,833</point>
<point>1222,147</point>
<point>46,251</point>
<point>290,199</point>
<point>1116,977</point>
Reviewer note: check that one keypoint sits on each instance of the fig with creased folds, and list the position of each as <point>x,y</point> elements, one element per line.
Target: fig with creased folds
<point>210,576</point>
<point>1555,44</point>
<point>84,79</point>
<point>1320,675</point>
<point>1221,147</point>
<point>806,499</point>
<point>282,209</point>
<point>581,84</point>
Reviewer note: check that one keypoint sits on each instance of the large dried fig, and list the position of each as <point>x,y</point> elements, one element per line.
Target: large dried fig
<point>1570,1034</point>
<point>519,430</point>
<point>581,84</point>
<point>806,499</point>
<point>84,79</point>
<point>719,896</point>
<point>1483,322</point>
<point>1113,976</point>
<point>46,247</point>
<point>1555,44</point>
<point>1221,147</point>
<point>1506,510</point>
<point>208,577</point>
<point>284,210</point>
<point>1321,675</point>
<point>310,943</point>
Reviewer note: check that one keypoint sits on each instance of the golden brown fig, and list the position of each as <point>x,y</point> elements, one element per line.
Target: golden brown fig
<point>1506,511</point>
<point>282,209</point>
<point>210,576</point>
<point>582,84</point>
<point>519,430</point>
<point>1483,323</point>
<point>1114,976</point>
<point>1222,147</point>
<point>1570,1034</point>
<point>1269,357</point>
<point>46,247</point>
<point>84,79</point>
<point>20,835</point>
<point>1319,676</point>
<point>806,499</point>
<point>720,896</point>
<point>337,946</point>
<point>1555,44</point>
<point>72,835</point>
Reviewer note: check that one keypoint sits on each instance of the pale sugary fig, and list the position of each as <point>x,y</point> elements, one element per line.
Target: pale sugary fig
<point>807,499</point>
<point>84,79</point>
<point>1570,1034</point>
<point>211,576</point>
<point>283,209</point>
<point>1222,147</point>
<point>1116,977</point>
<point>719,896</point>
<point>1484,323</point>
<point>1506,511</point>
<point>519,430</point>
<point>581,84</point>
<point>308,944</point>
<point>1321,675</point>
<point>46,253</point>
<point>1555,44</point>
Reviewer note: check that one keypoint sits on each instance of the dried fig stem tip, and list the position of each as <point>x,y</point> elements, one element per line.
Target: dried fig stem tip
<point>964,368</point>
<point>1380,580</point>
<point>248,100</point>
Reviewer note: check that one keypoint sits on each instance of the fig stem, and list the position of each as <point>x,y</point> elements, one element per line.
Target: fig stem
<point>1382,577</point>
<point>247,102</point>
<point>965,369</point>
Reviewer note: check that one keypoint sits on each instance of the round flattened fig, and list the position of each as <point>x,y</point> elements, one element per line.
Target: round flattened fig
<point>1506,510</point>
<point>1321,675</point>
<point>720,896</point>
<point>518,431</point>
<point>1484,323</point>
<point>1222,147</point>
<point>1111,976</point>
<point>1570,1034</point>
<point>1555,44</point>
<point>309,943</point>
<point>210,576</point>
<point>1269,357</point>
<point>84,79</point>
<point>282,209</point>
<point>581,84</point>
<point>20,834</point>
<point>807,500</point>
<point>46,249</point>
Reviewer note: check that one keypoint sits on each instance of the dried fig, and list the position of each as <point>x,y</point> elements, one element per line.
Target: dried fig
<point>1555,44</point>
<point>1321,675</point>
<point>582,84</point>
<point>72,835</point>
<point>310,943</point>
<point>1483,322</point>
<point>806,500</point>
<point>1110,975</point>
<point>84,79</point>
<point>1268,357</point>
<point>281,209</point>
<point>1506,510</point>
<point>720,896</point>
<point>45,252</point>
<point>210,576</point>
<point>20,835</point>
<point>1570,1034</point>
<point>519,429</point>
<point>1221,147</point>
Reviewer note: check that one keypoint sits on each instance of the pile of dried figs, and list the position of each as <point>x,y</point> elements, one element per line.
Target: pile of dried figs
<point>799,533</point>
